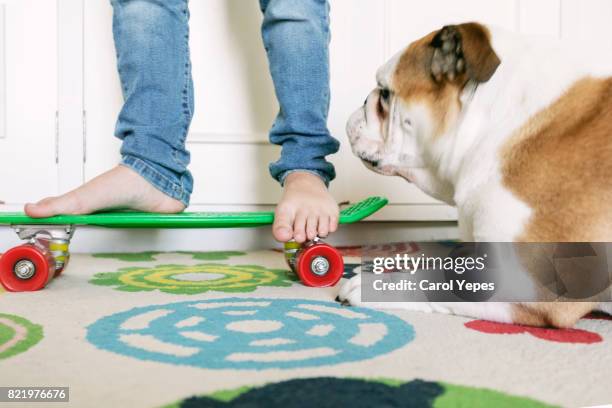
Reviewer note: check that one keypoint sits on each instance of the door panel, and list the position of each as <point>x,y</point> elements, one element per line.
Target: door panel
<point>102,92</point>
<point>28,100</point>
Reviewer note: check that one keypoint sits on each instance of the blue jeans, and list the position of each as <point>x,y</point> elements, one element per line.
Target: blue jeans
<point>152,44</point>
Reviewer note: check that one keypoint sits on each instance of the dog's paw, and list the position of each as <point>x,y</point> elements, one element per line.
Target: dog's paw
<point>350,292</point>
<point>350,295</point>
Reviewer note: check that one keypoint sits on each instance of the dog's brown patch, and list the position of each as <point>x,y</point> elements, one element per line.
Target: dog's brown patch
<point>560,164</point>
<point>413,83</point>
<point>559,314</point>
<point>481,59</point>
<point>435,69</point>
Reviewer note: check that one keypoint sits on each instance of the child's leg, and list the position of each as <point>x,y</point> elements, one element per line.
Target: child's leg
<point>296,38</point>
<point>151,39</point>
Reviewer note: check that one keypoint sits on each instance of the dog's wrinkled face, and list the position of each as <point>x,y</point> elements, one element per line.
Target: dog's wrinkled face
<point>418,99</point>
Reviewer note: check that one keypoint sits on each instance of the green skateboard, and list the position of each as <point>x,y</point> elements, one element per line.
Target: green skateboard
<point>33,265</point>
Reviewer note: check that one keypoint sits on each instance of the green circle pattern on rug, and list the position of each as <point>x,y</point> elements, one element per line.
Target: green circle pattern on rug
<point>150,255</point>
<point>195,279</point>
<point>353,392</point>
<point>17,335</point>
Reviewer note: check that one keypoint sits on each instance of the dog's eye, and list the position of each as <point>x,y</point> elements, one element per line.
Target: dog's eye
<point>385,94</point>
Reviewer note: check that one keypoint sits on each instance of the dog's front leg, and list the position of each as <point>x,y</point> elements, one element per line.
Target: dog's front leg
<point>350,293</point>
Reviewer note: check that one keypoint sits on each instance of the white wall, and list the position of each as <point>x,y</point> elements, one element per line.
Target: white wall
<point>68,65</point>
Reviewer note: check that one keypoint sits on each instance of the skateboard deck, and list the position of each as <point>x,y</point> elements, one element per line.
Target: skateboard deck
<point>45,254</point>
<point>125,219</point>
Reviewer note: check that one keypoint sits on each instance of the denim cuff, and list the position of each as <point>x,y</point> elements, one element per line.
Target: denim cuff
<point>156,179</point>
<point>320,174</point>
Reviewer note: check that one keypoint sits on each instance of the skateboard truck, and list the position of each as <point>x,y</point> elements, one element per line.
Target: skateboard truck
<point>314,262</point>
<point>32,265</point>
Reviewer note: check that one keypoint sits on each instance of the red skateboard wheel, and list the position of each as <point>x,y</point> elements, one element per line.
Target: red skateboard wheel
<point>319,265</point>
<point>26,268</point>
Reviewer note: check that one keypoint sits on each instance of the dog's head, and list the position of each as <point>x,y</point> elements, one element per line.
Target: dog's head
<point>419,98</point>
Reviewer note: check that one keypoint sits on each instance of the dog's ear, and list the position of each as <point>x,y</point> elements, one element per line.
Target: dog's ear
<point>462,52</point>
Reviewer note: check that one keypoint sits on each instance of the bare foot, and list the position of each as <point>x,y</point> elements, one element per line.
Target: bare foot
<point>306,209</point>
<point>119,188</point>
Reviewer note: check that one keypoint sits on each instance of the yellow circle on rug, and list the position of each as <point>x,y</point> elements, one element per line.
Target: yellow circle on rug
<point>194,279</point>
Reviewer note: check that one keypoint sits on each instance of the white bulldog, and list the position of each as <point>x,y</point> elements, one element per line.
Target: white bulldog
<point>511,132</point>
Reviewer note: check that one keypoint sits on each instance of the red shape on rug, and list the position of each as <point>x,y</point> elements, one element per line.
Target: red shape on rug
<point>556,335</point>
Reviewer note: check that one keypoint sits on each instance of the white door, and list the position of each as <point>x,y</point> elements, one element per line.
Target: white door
<point>28,100</point>
<point>235,102</point>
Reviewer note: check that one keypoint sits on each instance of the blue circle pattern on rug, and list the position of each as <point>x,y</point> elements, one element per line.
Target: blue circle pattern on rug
<point>251,333</point>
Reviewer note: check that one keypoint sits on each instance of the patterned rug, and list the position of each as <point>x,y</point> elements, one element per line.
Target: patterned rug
<point>235,329</point>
